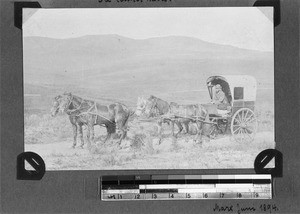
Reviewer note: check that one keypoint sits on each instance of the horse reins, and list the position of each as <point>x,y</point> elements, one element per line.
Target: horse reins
<point>94,113</point>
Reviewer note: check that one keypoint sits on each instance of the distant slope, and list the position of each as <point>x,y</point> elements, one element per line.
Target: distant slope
<point>117,66</point>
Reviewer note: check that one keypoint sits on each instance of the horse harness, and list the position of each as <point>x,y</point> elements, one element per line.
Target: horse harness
<point>89,111</point>
<point>202,110</point>
<point>196,118</point>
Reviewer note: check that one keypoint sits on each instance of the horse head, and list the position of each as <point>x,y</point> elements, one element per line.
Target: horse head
<point>150,105</point>
<point>55,106</point>
<point>140,106</point>
<point>61,103</point>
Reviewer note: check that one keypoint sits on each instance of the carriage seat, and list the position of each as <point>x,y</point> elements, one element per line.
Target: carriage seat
<point>223,113</point>
<point>212,110</point>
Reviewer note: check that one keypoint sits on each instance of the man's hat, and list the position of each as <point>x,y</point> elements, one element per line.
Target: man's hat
<point>218,86</point>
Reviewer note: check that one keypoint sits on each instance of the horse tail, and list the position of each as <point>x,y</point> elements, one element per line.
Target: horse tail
<point>111,128</point>
<point>129,113</point>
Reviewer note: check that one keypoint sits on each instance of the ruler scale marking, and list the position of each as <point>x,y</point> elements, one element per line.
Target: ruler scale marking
<point>185,187</point>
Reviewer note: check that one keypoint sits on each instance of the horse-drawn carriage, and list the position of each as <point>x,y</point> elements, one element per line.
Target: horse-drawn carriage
<point>240,93</point>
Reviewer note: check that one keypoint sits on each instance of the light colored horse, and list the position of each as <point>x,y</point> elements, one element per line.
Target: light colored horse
<point>141,106</point>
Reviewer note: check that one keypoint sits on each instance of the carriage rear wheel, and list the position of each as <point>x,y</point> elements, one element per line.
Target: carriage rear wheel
<point>244,125</point>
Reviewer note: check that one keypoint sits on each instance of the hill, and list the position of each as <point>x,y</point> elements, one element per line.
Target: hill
<point>120,67</point>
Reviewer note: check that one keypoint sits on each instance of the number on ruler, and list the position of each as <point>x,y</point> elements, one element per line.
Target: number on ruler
<point>120,196</point>
<point>171,195</point>
<point>138,196</point>
<point>111,197</point>
<point>239,195</point>
<point>205,195</point>
<point>154,196</point>
<point>188,195</point>
<point>222,195</point>
<point>256,195</point>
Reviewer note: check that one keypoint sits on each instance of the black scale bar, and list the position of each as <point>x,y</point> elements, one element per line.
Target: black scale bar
<point>106,187</point>
<point>158,190</point>
<point>196,181</point>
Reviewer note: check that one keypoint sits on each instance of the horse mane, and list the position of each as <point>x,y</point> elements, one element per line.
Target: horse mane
<point>152,97</point>
<point>173,104</point>
<point>80,99</point>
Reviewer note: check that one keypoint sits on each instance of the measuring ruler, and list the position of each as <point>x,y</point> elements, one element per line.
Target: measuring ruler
<point>185,187</point>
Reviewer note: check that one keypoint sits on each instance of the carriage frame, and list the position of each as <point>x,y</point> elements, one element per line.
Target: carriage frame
<point>240,91</point>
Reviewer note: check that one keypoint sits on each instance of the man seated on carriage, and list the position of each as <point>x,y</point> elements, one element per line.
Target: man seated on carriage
<point>220,98</point>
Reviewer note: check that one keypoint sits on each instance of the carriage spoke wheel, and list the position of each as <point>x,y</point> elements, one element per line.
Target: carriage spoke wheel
<point>244,125</point>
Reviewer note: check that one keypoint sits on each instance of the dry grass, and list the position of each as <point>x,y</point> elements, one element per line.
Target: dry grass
<point>46,129</point>
<point>52,138</point>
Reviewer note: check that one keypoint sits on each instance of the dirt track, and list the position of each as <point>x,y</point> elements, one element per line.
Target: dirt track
<point>181,154</point>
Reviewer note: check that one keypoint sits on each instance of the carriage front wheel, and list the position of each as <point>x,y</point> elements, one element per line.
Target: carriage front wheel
<point>244,125</point>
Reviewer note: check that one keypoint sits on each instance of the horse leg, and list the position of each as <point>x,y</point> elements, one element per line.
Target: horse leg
<point>107,137</point>
<point>172,128</point>
<point>81,135</point>
<point>120,128</point>
<point>199,132</point>
<point>180,128</point>
<point>109,130</point>
<point>88,135</point>
<point>186,127</point>
<point>92,133</point>
<point>74,134</point>
<point>159,130</point>
<point>123,135</point>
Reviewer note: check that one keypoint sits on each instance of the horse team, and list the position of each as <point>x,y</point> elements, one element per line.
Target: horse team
<point>113,117</point>
<point>90,113</point>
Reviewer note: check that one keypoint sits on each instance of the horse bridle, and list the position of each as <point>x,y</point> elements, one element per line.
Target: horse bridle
<point>142,109</point>
<point>70,99</point>
<point>153,106</point>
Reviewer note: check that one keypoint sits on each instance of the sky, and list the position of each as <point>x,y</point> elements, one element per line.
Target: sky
<point>243,27</point>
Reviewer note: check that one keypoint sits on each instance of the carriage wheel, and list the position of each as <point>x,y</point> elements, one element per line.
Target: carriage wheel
<point>244,125</point>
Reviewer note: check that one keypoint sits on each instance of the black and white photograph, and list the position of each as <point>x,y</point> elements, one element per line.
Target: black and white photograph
<point>148,88</point>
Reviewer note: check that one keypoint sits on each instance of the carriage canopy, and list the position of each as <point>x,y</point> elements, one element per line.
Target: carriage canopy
<point>235,87</point>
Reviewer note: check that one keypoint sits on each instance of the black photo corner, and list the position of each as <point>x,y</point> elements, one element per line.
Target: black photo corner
<point>35,161</point>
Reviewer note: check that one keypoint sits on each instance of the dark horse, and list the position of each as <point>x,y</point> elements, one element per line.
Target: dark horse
<point>86,112</point>
<point>185,114</point>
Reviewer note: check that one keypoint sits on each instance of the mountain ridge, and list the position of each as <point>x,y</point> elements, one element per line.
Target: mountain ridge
<point>115,64</point>
<point>116,36</point>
